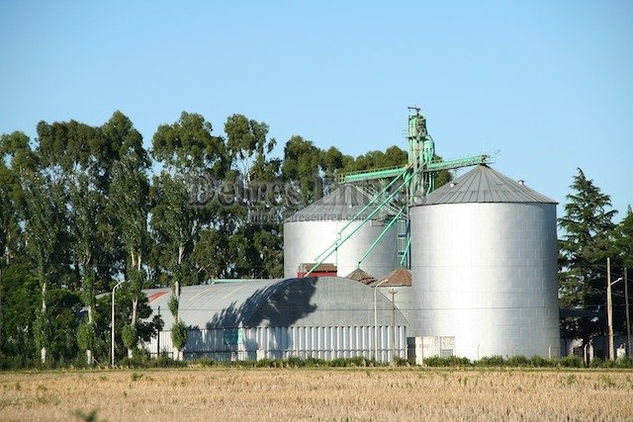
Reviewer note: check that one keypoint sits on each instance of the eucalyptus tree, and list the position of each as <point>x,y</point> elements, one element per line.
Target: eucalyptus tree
<point>9,228</point>
<point>254,244</point>
<point>129,198</point>
<point>301,165</point>
<point>188,151</point>
<point>80,159</point>
<point>46,220</point>
<point>16,160</point>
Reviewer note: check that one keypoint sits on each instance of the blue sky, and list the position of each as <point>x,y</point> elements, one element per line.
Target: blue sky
<point>548,84</point>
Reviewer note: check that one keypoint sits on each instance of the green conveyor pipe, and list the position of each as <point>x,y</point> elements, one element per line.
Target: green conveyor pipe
<point>379,238</point>
<point>403,260</point>
<point>372,175</point>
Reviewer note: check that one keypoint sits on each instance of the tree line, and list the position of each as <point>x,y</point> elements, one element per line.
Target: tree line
<point>83,207</point>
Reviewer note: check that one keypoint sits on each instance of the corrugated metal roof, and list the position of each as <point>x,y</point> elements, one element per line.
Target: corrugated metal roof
<point>484,185</point>
<point>396,278</point>
<point>361,276</point>
<point>342,204</point>
<point>158,300</point>
<point>208,306</point>
<point>311,301</point>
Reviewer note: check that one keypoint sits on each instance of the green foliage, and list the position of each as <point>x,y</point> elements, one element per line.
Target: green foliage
<point>179,335</point>
<point>537,361</point>
<point>495,360</point>
<point>446,361</point>
<point>86,336</point>
<point>517,361</point>
<point>571,361</point>
<point>130,336</point>
<point>188,144</point>
<point>173,305</point>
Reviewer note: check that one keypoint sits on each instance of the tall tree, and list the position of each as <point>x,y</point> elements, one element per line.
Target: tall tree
<point>129,197</point>
<point>586,243</point>
<point>86,243</point>
<point>9,229</point>
<point>16,158</point>
<point>187,149</point>
<point>46,219</point>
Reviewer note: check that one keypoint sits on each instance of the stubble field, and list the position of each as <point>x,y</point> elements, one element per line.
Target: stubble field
<point>318,394</point>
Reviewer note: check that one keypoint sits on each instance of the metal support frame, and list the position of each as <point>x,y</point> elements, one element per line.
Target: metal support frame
<point>403,172</point>
<point>382,234</point>
<point>371,175</point>
<point>403,260</point>
<point>333,247</point>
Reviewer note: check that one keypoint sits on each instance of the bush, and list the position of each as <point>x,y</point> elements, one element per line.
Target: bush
<point>537,361</point>
<point>160,362</point>
<point>571,361</point>
<point>495,360</point>
<point>437,361</point>
<point>517,361</point>
<point>624,362</point>
<point>14,362</point>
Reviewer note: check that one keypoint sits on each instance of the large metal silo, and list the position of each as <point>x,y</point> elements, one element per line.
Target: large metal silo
<point>483,256</point>
<point>312,230</point>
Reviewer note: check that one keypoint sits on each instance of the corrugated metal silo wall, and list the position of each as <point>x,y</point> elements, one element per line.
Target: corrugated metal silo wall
<point>305,240</point>
<point>486,274</point>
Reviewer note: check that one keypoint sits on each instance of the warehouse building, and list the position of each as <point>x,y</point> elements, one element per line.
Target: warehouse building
<point>325,318</point>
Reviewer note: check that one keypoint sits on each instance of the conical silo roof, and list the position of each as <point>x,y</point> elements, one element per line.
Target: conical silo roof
<point>361,276</point>
<point>342,204</point>
<point>484,185</point>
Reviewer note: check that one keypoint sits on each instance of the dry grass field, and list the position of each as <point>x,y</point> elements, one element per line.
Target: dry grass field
<point>318,394</point>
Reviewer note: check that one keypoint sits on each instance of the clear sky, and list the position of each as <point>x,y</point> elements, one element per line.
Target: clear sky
<point>547,83</point>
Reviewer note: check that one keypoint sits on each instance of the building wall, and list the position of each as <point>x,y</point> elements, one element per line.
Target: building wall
<point>486,274</point>
<point>302,342</point>
<point>305,240</point>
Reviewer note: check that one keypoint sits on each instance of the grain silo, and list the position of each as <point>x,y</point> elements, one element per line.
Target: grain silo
<point>483,258</point>
<point>314,229</point>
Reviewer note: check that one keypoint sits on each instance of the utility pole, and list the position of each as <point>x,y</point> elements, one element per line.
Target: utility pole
<point>376,318</point>
<point>393,325</point>
<point>112,323</point>
<point>158,338</point>
<point>609,310</point>
<point>628,318</point>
